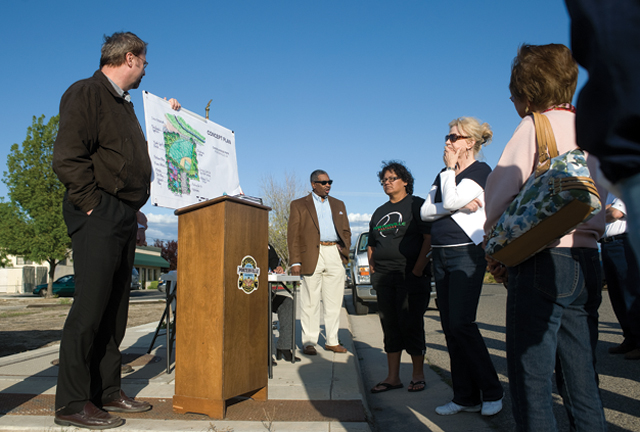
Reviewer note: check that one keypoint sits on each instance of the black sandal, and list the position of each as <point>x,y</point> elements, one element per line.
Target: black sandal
<point>417,383</point>
<point>386,387</point>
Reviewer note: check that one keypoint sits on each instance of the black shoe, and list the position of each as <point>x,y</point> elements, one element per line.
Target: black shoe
<point>286,354</point>
<point>125,404</point>
<point>91,417</point>
<point>623,348</point>
<point>310,350</point>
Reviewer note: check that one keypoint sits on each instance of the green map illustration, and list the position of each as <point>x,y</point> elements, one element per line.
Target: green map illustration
<point>180,144</point>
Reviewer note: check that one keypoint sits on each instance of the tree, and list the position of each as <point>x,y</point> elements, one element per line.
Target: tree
<point>169,252</point>
<point>4,260</point>
<point>278,196</point>
<point>32,222</point>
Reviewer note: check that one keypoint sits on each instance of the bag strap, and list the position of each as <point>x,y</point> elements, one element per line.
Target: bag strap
<point>547,148</point>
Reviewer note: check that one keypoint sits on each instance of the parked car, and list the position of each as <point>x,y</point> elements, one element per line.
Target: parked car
<point>361,287</point>
<point>362,290</point>
<point>135,279</point>
<point>65,286</point>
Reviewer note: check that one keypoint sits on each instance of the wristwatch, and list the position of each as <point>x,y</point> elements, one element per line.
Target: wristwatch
<point>450,169</point>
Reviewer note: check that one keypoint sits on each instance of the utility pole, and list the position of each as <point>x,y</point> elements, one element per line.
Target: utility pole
<point>206,110</point>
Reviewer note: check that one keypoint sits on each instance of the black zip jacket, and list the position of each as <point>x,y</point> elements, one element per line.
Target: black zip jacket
<point>100,146</point>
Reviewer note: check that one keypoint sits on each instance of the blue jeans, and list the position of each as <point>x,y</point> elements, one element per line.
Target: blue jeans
<point>459,272</point>
<point>552,321</point>
<point>623,284</point>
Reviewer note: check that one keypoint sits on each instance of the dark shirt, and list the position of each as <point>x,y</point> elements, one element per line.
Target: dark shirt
<point>274,260</point>
<point>397,233</point>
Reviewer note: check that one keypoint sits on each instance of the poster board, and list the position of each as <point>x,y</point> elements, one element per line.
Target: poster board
<point>193,159</point>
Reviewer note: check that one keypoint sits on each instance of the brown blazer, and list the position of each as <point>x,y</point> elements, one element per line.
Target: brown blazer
<point>303,233</point>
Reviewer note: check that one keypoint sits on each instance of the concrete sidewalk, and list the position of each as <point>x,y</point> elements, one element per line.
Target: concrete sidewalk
<point>320,393</point>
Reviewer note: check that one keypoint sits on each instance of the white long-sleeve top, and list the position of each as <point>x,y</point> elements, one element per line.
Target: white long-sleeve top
<point>454,197</point>
<point>452,224</point>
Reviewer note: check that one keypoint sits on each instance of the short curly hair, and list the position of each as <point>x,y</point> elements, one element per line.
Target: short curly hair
<point>543,75</point>
<point>400,170</point>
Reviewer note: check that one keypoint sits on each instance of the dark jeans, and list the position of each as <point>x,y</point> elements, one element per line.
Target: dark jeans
<point>623,284</point>
<point>402,302</point>
<point>283,306</point>
<point>103,254</point>
<point>552,321</point>
<point>459,272</point>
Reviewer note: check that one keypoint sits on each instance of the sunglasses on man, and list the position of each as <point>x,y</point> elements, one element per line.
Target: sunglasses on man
<point>324,182</point>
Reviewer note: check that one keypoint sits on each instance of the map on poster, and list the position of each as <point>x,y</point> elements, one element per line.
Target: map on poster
<point>193,159</point>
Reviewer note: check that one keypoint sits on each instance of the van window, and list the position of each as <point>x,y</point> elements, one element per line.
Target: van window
<point>362,244</point>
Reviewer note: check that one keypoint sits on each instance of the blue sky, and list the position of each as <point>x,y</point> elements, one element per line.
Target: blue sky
<point>336,85</point>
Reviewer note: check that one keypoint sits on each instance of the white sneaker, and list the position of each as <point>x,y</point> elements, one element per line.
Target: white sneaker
<point>453,408</point>
<point>491,408</point>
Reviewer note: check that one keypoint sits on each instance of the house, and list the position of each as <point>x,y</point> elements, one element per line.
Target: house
<point>149,263</point>
<point>22,275</point>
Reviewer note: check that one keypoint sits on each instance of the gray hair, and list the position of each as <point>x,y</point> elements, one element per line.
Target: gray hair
<point>317,173</point>
<point>116,47</point>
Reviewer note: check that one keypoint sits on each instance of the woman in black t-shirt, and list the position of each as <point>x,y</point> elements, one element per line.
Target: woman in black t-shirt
<point>397,251</point>
<point>455,206</point>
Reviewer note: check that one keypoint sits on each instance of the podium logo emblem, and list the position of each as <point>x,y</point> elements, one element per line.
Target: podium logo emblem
<point>248,273</point>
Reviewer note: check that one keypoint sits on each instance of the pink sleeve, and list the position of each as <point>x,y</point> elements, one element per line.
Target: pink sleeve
<point>514,168</point>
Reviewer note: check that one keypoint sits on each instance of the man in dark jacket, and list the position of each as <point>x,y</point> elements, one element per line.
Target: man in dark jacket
<point>101,157</point>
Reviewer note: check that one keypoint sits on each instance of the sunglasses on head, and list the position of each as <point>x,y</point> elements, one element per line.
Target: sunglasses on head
<point>454,137</point>
<point>324,182</point>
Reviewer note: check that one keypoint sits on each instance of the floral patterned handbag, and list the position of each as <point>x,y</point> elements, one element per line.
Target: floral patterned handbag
<point>556,198</point>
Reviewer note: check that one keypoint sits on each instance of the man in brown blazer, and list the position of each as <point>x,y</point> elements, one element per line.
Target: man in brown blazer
<point>319,238</point>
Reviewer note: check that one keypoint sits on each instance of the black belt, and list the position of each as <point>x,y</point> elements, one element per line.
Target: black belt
<point>613,238</point>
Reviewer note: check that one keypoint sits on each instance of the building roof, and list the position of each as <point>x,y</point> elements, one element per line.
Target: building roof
<point>146,260</point>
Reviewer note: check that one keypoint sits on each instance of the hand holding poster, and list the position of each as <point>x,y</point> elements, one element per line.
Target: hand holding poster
<point>193,159</point>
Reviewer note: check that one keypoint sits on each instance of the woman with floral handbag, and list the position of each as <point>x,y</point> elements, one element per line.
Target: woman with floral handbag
<point>553,296</point>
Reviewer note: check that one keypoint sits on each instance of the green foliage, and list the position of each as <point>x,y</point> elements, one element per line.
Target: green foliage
<point>32,223</point>
<point>4,261</point>
<point>153,285</point>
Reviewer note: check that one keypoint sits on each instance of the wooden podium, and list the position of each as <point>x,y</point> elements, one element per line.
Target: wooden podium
<point>222,327</point>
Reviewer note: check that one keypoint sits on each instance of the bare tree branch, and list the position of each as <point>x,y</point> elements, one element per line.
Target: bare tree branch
<point>278,195</point>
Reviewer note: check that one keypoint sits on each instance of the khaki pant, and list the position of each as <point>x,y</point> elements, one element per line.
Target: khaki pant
<point>326,284</point>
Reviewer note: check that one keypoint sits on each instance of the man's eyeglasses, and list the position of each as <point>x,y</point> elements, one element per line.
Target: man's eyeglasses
<point>146,63</point>
<point>388,179</point>
<point>454,137</point>
<point>324,182</point>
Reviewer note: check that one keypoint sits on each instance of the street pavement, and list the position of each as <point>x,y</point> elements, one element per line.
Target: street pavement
<point>319,393</point>
<point>329,392</point>
<point>400,409</point>
<point>619,378</point>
